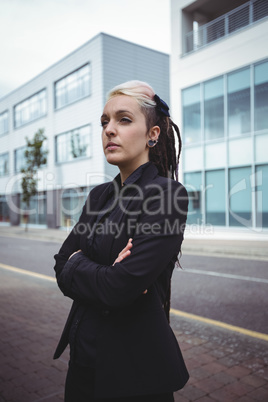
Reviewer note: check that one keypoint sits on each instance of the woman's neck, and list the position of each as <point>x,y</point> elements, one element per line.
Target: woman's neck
<point>126,171</point>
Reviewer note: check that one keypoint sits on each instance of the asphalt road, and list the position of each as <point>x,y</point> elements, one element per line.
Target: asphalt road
<point>230,290</point>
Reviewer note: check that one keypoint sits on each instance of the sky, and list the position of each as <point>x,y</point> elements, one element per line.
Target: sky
<point>34,34</point>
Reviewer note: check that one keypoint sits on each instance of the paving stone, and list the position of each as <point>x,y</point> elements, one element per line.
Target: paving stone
<point>214,367</point>
<point>238,371</point>
<point>253,380</point>
<point>224,378</point>
<point>179,398</point>
<point>208,384</point>
<point>228,361</point>
<point>220,353</point>
<point>192,393</point>
<point>246,398</point>
<point>192,363</point>
<point>239,388</point>
<point>263,372</point>
<point>199,373</point>
<point>259,394</point>
<point>206,358</point>
<point>254,364</point>
<point>205,399</point>
<point>223,395</point>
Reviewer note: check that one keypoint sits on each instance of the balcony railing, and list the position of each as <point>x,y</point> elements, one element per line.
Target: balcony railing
<point>239,18</point>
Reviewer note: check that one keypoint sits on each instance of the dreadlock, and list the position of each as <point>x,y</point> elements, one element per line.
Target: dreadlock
<point>164,154</point>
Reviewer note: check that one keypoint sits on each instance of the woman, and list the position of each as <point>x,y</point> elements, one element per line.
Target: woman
<point>117,262</point>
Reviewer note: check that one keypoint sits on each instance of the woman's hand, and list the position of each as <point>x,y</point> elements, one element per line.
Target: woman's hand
<point>124,254</point>
<point>74,254</point>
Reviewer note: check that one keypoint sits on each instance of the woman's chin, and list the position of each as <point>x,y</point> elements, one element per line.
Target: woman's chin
<point>112,160</point>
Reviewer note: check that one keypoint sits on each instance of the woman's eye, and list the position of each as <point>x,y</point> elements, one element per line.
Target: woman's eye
<point>125,120</point>
<point>104,123</point>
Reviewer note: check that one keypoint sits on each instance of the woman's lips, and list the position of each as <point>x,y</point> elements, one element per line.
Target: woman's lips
<point>112,146</point>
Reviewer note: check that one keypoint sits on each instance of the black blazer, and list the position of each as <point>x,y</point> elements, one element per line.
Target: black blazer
<point>137,352</point>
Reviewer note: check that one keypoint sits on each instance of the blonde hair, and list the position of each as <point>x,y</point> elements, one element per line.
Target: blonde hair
<point>139,90</point>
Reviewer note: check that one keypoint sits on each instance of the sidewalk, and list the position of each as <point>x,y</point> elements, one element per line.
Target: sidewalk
<point>222,244</point>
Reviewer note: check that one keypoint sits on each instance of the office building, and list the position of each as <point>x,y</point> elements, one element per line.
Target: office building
<point>219,93</point>
<point>67,100</point>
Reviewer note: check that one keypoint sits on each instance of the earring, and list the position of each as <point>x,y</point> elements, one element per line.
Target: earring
<point>152,143</point>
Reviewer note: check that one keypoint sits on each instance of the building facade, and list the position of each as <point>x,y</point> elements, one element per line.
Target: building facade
<point>219,93</point>
<point>66,101</point>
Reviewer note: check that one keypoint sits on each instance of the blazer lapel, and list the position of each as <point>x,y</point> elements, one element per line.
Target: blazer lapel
<point>131,195</point>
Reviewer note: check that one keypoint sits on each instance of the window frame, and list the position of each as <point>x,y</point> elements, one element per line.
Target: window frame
<point>28,107</point>
<point>64,79</point>
<point>8,164</point>
<point>68,133</point>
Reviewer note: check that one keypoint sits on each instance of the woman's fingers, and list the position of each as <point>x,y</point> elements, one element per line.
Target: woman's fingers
<point>125,252</point>
<point>128,247</point>
<point>123,255</point>
<point>74,253</point>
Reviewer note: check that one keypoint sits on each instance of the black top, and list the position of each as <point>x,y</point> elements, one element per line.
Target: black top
<point>85,328</point>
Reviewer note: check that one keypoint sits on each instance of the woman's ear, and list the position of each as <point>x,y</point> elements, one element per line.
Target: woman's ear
<point>154,133</point>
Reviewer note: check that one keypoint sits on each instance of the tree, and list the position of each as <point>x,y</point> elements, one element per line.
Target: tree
<point>35,156</point>
<point>77,148</point>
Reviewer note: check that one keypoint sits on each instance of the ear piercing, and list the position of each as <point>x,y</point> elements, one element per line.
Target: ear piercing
<point>152,143</point>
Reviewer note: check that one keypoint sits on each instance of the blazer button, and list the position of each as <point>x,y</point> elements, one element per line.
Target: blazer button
<point>105,313</point>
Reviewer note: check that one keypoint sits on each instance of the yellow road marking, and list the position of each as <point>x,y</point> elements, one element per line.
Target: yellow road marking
<point>25,272</point>
<point>179,313</point>
<point>220,324</point>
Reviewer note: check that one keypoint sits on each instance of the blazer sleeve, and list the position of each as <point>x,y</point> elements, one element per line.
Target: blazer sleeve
<point>72,242</point>
<point>69,246</point>
<point>157,240</point>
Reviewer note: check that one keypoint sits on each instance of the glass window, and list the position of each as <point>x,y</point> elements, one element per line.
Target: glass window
<point>4,164</point>
<point>215,155</point>
<point>3,123</point>
<point>19,157</point>
<point>20,160</point>
<point>240,151</point>
<point>191,114</point>
<point>193,184</point>
<point>261,96</point>
<point>193,159</point>
<point>4,209</point>
<point>240,197</point>
<point>30,109</point>
<point>214,109</point>
<point>239,102</point>
<point>261,146</point>
<point>73,144</point>
<point>72,203</point>
<point>215,197</point>
<point>262,196</point>
<point>73,87</point>
<point>61,98</point>
<point>37,211</point>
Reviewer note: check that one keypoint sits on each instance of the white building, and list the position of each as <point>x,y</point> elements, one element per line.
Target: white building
<point>67,101</point>
<point>219,93</point>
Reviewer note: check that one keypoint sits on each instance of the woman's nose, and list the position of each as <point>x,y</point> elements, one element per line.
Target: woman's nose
<point>110,129</point>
